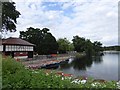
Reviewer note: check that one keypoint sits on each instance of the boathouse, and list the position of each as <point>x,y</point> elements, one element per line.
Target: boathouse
<point>17,47</point>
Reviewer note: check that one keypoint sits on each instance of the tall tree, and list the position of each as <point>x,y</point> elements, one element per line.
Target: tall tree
<point>85,45</point>
<point>97,46</point>
<point>45,42</point>
<point>9,16</point>
<point>79,43</point>
<point>49,44</point>
<point>89,50</point>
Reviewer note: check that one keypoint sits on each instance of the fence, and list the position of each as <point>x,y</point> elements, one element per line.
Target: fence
<point>48,57</point>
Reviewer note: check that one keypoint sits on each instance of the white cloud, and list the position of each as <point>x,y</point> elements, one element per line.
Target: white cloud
<point>96,20</point>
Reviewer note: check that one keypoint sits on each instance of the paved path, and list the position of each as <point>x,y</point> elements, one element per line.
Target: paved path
<point>38,63</point>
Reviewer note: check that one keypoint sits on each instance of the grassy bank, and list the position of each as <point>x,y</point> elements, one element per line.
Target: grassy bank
<point>15,75</point>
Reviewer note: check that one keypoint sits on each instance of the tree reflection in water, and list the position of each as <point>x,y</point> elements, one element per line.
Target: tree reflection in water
<point>97,59</point>
<point>81,63</point>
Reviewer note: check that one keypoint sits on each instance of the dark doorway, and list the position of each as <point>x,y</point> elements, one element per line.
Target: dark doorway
<point>30,54</point>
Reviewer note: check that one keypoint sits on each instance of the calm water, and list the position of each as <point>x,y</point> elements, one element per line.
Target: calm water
<point>102,67</point>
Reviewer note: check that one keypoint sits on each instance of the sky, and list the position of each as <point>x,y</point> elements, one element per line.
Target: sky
<point>96,20</point>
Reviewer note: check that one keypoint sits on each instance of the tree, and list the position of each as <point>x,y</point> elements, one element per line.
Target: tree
<point>85,45</point>
<point>32,35</point>
<point>71,47</point>
<point>97,46</point>
<point>64,45</point>
<point>9,16</point>
<point>79,43</point>
<point>49,44</point>
<point>116,48</point>
<point>45,42</point>
<point>89,50</point>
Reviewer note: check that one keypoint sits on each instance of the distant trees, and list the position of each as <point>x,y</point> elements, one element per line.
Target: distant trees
<point>117,48</point>
<point>45,42</point>
<point>64,45</point>
<point>85,45</point>
<point>9,16</point>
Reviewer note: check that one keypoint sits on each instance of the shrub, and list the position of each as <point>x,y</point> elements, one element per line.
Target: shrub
<point>14,75</point>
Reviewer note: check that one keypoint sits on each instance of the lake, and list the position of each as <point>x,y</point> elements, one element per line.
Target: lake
<point>100,67</point>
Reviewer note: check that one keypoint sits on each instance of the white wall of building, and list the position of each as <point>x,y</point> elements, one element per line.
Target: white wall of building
<point>18,48</point>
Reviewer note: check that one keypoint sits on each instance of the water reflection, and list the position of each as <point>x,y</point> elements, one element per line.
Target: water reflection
<point>99,67</point>
<point>81,63</point>
<point>97,59</point>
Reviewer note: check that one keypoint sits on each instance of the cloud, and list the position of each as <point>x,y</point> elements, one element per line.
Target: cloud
<point>95,19</point>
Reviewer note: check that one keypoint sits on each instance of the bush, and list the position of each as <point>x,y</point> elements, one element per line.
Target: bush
<point>14,75</point>
<point>10,66</point>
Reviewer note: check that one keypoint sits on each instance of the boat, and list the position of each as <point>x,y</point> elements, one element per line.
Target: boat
<point>101,54</point>
<point>62,61</point>
<point>51,66</point>
<point>67,60</point>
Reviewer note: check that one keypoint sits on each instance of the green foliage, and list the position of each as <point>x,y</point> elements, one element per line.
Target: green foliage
<point>79,43</point>
<point>45,42</point>
<point>85,45</point>
<point>10,66</point>
<point>13,73</point>
<point>9,16</point>
<point>97,46</point>
<point>64,45</point>
<point>49,44</point>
